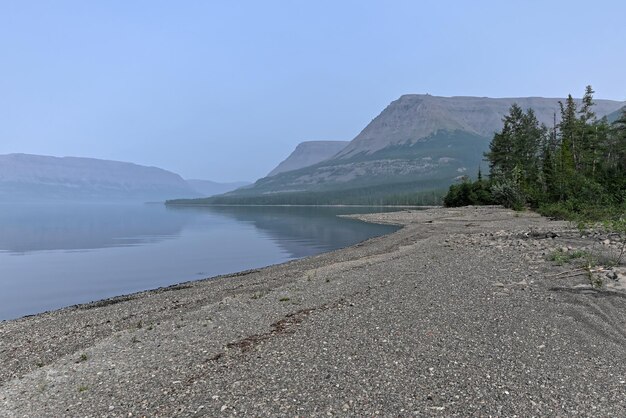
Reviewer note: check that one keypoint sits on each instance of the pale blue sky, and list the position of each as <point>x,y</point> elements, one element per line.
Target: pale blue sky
<point>224,90</point>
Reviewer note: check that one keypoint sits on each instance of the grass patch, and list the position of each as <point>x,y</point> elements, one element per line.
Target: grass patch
<point>581,212</point>
<point>561,257</point>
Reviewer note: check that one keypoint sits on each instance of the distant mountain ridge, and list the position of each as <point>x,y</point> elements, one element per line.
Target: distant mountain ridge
<point>37,177</point>
<point>418,142</point>
<point>308,153</point>
<point>210,188</point>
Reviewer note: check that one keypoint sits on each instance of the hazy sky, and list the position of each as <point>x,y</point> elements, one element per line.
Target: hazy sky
<point>224,90</point>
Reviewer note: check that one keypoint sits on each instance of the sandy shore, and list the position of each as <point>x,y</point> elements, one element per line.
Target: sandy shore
<point>458,313</point>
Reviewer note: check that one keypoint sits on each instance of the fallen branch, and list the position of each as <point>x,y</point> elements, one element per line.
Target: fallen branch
<point>582,270</point>
<point>576,272</point>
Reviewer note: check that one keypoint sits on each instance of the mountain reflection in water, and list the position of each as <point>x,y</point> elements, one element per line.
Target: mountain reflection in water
<point>302,231</point>
<point>25,228</point>
<point>58,255</point>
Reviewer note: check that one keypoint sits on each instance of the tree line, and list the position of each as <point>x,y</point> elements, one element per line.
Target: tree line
<point>576,168</point>
<point>402,194</point>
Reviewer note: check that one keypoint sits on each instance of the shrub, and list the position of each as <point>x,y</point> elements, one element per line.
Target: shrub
<point>508,194</point>
<point>468,193</point>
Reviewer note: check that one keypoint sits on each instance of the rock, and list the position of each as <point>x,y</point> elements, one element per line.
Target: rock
<point>611,275</point>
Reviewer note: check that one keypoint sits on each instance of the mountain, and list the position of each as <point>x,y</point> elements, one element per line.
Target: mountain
<point>210,188</point>
<point>415,116</point>
<point>417,143</point>
<point>25,177</point>
<point>616,115</point>
<point>309,153</point>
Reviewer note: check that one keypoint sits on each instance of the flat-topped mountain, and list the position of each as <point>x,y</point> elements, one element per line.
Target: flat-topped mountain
<point>416,116</point>
<point>37,177</point>
<point>309,153</point>
<point>417,143</point>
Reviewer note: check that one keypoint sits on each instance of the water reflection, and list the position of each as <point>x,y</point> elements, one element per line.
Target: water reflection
<point>300,231</point>
<point>37,227</point>
<point>71,254</point>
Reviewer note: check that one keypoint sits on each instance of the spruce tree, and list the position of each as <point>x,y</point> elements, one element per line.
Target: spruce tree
<point>567,130</point>
<point>578,167</point>
<point>618,136</point>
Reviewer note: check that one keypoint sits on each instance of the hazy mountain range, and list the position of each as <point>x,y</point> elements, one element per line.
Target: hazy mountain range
<point>25,177</point>
<point>418,142</point>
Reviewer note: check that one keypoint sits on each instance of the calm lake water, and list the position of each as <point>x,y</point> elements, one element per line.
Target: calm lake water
<point>53,256</point>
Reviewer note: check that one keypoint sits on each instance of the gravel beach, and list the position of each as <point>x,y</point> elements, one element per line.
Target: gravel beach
<point>459,313</point>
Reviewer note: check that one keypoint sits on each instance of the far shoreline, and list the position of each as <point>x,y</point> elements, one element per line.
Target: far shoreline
<point>305,206</point>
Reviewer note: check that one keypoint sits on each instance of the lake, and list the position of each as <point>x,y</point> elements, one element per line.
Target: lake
<point>56,255</point>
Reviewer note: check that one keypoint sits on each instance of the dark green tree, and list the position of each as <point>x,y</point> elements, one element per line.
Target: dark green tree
<point>514,154</point>
<point>578,167</point>
<point>500,155</point>
<point>568,128</point>
<point>616,151</point>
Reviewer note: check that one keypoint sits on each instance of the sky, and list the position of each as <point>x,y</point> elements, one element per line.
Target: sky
<point>225,90</point>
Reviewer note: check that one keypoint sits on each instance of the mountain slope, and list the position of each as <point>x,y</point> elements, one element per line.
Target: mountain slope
<point>417,143</point>
<point>36,177</point>
<point>309,153</point>
<point>417,116</point>
<point>616,115</point>
<point>448,153</point>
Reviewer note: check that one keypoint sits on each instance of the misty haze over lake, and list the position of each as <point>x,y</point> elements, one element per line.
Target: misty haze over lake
<point>57,255</point>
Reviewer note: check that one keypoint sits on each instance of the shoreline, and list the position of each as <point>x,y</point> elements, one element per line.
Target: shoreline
<point>302,206</point>
<point>431,302</point>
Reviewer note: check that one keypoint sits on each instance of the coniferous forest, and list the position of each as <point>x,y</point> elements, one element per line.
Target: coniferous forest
<point>575,169</point>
